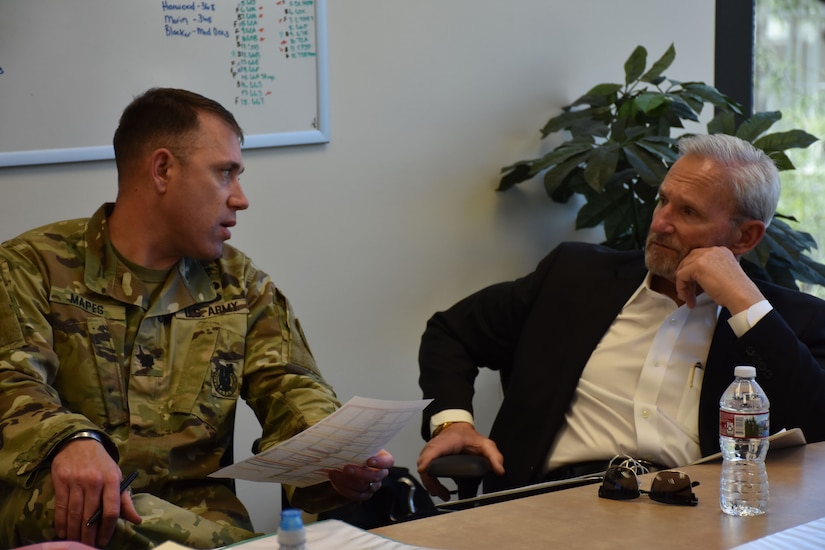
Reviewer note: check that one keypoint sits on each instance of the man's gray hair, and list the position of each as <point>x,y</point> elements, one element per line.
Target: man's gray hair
<point>751,173</point>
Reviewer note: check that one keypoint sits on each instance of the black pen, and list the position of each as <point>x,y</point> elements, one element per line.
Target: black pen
<point>123,486</point>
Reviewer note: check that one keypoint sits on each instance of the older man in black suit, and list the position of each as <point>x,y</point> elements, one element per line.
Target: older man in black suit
<point>604,352</point>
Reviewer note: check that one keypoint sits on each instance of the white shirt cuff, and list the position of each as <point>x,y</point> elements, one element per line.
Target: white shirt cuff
<point>745,320</point>
<point>450,415</point>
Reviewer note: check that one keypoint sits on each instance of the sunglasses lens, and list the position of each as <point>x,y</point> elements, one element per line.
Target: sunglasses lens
<point>673,488</point>
<point>619,483</point>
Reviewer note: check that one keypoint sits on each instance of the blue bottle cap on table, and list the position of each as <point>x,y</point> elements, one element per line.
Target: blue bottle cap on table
<point>291,520</point>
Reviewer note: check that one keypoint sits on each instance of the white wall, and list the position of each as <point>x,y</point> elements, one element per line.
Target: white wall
<point>397,216</point>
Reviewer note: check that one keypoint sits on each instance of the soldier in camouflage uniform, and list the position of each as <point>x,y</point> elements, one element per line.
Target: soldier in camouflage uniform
<point>126,340</point>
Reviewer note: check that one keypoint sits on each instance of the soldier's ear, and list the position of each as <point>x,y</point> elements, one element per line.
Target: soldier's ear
<point>162,166</point>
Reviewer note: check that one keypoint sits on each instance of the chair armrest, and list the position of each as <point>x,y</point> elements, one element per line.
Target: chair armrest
<point>459,466</point>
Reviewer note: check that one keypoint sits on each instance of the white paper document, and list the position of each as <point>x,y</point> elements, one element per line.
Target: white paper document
<point>350,435</point>
<point>330,534</point>
<point>808,536</point>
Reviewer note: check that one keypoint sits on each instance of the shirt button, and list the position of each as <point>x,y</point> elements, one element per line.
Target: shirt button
<point>645,414</point>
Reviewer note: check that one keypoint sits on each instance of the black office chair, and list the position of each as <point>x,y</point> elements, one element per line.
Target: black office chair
<point>401,498</point>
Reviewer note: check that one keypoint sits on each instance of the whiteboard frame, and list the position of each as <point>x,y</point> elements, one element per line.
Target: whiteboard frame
<point>253,141</point>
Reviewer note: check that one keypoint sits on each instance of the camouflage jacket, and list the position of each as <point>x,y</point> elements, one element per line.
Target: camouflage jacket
<point>83,346</point>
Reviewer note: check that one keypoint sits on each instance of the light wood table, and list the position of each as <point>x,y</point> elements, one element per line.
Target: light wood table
<point>578,518</point>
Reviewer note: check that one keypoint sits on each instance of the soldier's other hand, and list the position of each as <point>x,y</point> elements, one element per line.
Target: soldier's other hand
<point>359,483</point>
<point>85,478</point>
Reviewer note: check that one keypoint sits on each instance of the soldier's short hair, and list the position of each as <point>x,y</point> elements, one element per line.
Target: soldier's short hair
<point>164,117</point>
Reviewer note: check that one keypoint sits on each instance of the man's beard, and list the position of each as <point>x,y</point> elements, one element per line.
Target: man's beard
<point>663,263</point>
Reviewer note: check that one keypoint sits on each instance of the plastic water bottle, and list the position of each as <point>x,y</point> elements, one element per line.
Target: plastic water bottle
<point>291,532</point>
<point>743,437</point>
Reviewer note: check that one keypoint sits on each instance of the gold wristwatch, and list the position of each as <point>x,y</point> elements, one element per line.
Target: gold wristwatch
<point>438,429</point>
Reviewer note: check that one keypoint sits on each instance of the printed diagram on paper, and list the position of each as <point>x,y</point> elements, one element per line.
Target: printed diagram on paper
<point>350,435</point>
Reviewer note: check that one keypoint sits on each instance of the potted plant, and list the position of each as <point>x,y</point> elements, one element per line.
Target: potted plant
<point>621,144</point>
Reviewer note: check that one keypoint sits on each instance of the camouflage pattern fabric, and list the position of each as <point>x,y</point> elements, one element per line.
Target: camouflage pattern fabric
<point>27,516</point>
<point>85,345</point>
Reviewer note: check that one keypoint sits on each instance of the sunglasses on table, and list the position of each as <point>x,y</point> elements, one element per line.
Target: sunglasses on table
<point>621,482</point>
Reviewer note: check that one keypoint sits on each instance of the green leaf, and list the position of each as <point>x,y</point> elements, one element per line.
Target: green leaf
<point>781,216</point>
<point>782,246</point>
<point>782,141</point>
<point>635,65</point>
<point>605,89</point>
<point>572,184</point>
<point>554,177</point>
<point>723,123</point>
<point>589,130</point>
<point>679,107</point>
<point>626,109</point>
<point>782,253</point>
<point>755,125</point>
<point>654,75</point>
<point>781,160</point>
<point>565,121</point>
<point>781,273</point>
<point>787,268</point>
<point>775,249</point>
<point>615,223</point>
<point>647,102</point>
<point>711,95</point>
<point>642,214</point>
<point>559,155</point>
<point>693,101</point>
<point>650,168</point>
<point>789,238</point>
<point>601,164</point>
<point>664,148</point>
<point>600,206</point>
<point>598,96</point>
<point>646,194</point>
<point>636,132</point>
<point>816,269</point>
<point>517,173</point>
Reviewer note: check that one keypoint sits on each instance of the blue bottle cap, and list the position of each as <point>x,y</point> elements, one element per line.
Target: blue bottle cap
<point>291,520</point>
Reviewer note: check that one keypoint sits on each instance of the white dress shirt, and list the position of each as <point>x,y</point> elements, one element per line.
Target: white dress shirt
<point>639,392</point>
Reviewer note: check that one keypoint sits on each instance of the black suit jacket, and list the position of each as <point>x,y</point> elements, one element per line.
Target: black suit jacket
<point>540,330</point>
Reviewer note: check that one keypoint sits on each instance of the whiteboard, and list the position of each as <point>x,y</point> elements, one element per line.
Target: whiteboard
<point>68,68</point>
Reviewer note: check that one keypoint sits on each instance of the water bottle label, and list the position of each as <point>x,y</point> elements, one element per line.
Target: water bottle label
<point>744,425</point>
